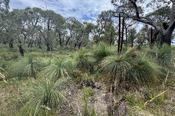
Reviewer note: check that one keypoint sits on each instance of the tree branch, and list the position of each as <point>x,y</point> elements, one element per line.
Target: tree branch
<point>133,2</point>
<point>171,27</point>
<point>141,19</point>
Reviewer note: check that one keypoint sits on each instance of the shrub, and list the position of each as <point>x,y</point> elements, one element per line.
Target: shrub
<point>102,50</point>
<point>59,67</point>
<point>85,61</point>
<point>164,54</point>
<point>43,97</point>
<point>27,66</point>
<point>130,67</point>
<point>87,93</point>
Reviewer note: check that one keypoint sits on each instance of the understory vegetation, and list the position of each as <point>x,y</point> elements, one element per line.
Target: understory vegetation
<point>39,85</point>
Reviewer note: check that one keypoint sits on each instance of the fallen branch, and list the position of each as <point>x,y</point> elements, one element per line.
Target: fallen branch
<point>149,101</point>
<point>3,77</point>
<point>163,85</point>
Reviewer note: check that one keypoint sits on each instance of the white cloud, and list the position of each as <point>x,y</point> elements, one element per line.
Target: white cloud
<point>80,9</point>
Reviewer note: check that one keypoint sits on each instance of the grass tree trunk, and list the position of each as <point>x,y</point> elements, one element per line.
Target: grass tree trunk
<point>119,32</point>
<point>11,43</point>
<point>39,43</point>
<point>21,49</point>
<point>123,29</point>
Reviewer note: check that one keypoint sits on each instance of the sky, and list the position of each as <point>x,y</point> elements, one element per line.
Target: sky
<point>83,10</point>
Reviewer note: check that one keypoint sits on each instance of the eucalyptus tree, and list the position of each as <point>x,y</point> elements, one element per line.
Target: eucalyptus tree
<point>75,31</point>
<point>18,27</point>
<point>10,28</point>
<point>87,33</point>
<point>47,29</point>
<point>60,28</point>
<point>4,5</point>
<point>31,19</point>
<point>4,10</point>
<point>105,30</point>
<point>138,10</point>
<point>145,36</point>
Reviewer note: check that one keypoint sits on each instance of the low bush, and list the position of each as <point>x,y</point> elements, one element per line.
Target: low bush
<point>130,67</point>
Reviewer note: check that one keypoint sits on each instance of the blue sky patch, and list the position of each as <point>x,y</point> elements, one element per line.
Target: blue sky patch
<point>83,10</point>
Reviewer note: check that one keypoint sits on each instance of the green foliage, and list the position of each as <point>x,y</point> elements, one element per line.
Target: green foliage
<point>102,50</point>
<point>130,67</point>
<point>85,61</point>
<point>87,93</point>
<point>142,68</point>
<point>43,97</point>
<point>27,67</point>
<point>134,100</point>
<point>2,70</point>
<point>9,56</point>
<point>164,54</point>
<point>59,67</point>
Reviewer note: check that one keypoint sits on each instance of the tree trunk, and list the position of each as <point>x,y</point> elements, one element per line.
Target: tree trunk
<point>123,29</point>
<point>132,42</point>
<point>126,34</point>
<point>75,45</point>
<point>48,47</point>
<point>67,42</point>
<point>11,43</point>
<point>39,43</point>
<point>21,49</point>
<point>167,31</point>
<point>166,39</point>
<point>151,38</point>
<point>119,32</point>
<point>60,40</point>
<point>79,46</point>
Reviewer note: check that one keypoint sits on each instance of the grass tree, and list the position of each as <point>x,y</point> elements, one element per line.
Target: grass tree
<point>102,50</point>
<point>85,60</point>
<point>26,67</point>
<point>130,67</point>
<point>59,67</point>
<point>43,98</point>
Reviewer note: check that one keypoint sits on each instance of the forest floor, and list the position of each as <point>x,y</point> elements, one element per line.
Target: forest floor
<point>101,101</point>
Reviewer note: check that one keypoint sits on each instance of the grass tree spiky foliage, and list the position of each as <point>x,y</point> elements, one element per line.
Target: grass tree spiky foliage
<point>130,67</point>
<point>102,50</point>
<point>27,66</point>
<point>43,98</point>
<point>2,70</point>
<point>59,67</point>
<point>85,60</point>
<point>164,55</point>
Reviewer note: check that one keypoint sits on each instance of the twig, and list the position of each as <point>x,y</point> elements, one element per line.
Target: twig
<point>149,101</point>
<point>3,77</point>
